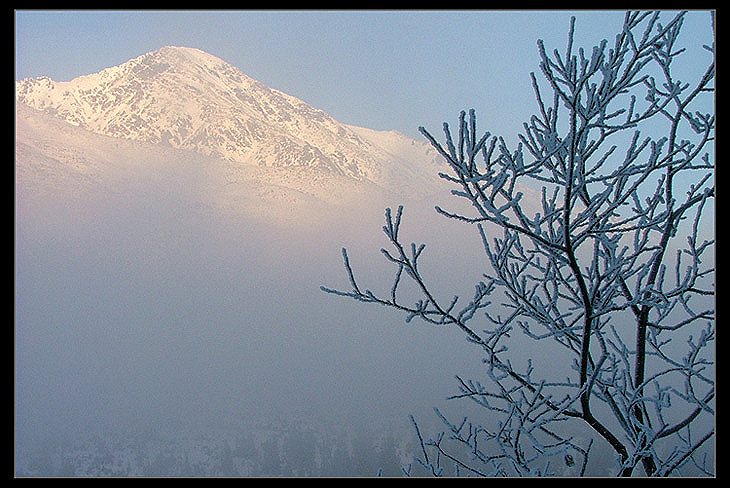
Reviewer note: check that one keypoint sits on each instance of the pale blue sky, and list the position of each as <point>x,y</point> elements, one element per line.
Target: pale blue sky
<point>379,69</point>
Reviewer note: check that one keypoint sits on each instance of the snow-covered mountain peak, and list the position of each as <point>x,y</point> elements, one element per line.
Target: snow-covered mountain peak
<point>188,53</point>
<point>188,99</point>
<point>197,67</point>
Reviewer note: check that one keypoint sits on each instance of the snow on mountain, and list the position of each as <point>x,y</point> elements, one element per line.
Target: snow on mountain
<point>59,163</point>
<point>184,98</point>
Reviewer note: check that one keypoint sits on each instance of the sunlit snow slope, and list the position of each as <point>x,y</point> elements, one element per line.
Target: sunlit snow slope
<point>185,99</point>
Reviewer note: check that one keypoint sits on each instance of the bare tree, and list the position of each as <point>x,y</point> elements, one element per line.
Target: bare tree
<point>610,266</point>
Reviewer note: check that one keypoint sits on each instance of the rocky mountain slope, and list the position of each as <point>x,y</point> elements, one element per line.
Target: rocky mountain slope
<point>185,99</point>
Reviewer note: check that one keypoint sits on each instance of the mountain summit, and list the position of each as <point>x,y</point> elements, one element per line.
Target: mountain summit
<point>188,99</point>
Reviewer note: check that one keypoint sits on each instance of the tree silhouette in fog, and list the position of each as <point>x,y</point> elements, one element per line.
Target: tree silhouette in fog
<point>604,274</point>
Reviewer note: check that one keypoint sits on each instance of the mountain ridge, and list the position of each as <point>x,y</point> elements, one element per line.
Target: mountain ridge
<point>188,99</point>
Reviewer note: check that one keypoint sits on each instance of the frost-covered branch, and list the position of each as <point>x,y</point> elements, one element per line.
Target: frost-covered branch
<point>610,264</point>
